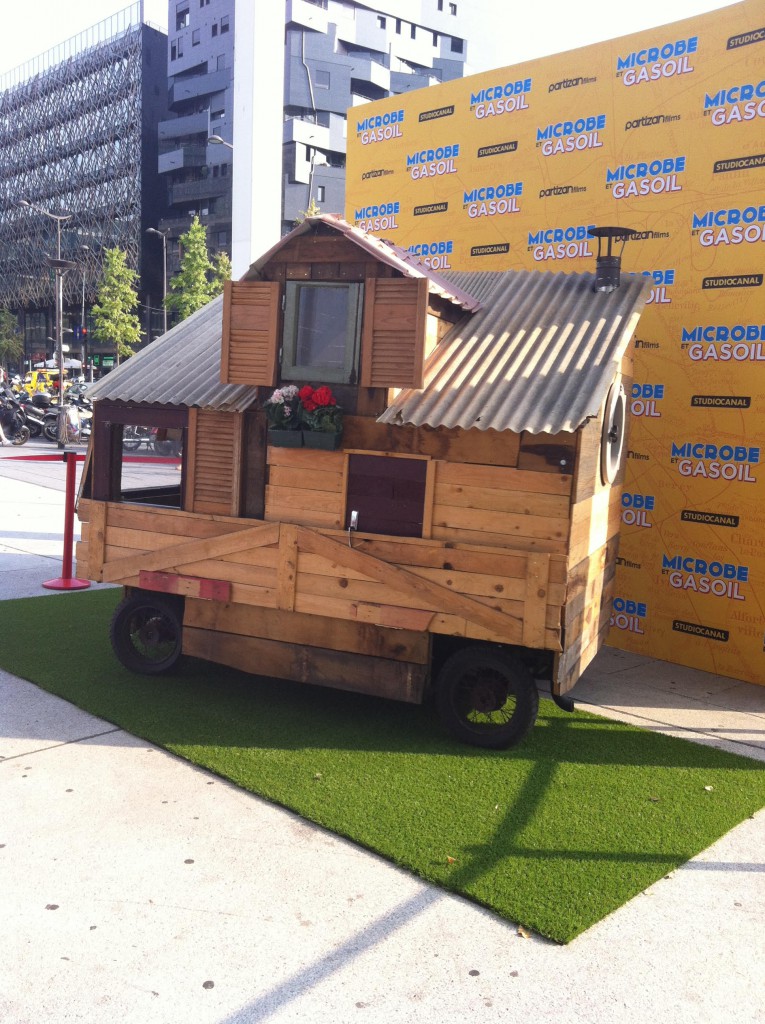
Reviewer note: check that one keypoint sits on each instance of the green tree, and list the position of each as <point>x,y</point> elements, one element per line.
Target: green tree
<point>314,210</point>
<point>221,272</point>
<point>11,343</point>
<point>114,315</point>
<point>195,283</point>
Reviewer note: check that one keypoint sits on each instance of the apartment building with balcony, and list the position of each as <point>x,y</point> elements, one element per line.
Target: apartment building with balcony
<point>336,54</point>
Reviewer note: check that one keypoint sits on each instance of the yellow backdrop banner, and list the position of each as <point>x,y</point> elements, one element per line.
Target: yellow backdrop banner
<point>663,132</point>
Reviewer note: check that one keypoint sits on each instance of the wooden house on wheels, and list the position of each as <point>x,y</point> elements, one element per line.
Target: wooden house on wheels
<point>457,534</point>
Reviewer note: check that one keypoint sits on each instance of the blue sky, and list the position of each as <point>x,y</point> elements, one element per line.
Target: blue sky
<point>503,36</point>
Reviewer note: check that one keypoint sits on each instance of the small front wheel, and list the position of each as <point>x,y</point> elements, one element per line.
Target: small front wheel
<point>22,436</point>
<point>146,633</point>
<point>486,697</point>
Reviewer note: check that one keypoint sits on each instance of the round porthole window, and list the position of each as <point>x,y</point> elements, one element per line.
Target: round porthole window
<point>612,438</point>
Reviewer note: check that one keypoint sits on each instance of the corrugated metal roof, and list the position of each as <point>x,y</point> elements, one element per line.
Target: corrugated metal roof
<point>539,356</point>
<point>180,368</point>
<point>385,252</point>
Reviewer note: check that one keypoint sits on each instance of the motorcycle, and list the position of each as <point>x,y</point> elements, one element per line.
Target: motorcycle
<point>12,419</point>
<point>34,411</point>
<point>78,416</point>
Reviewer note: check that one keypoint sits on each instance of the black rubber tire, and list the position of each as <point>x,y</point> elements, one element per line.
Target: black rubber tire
<point>50,431</point>
<point>131,443</point>
<point>21,436</point>
<point>167,448</point>
<point>146,633</point>
<point>485,696</point>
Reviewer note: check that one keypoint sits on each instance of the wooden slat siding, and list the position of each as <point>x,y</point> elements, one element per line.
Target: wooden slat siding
<point>287,571</point>
<point>250,332</point>
<point>306,460</point>
<point>393,333</point>
<point>575,659</point>
<point>186,551</point>
<point>316,480</point>
<point>504,478</point>
<point>487,447</point>
<point>508,524</point>
<point>593,523</point>
<point>548,453</point>
<point>402,582</point>
<point>358,673</point>
<point>311,630</point>
<point>217,457</point>
<point>96,540</point>
<point>535,608</point>
<point>526,503</point>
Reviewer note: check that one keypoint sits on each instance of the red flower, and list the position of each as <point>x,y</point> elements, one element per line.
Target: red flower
<point>306,396</point>
<point>324,396</point>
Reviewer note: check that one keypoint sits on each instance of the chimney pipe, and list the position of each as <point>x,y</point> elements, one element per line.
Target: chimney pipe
<point>608,264</point>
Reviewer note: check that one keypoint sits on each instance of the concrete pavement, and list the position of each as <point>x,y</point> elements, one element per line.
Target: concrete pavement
<point>138,888</point>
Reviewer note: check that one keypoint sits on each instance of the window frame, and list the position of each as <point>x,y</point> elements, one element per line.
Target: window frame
<point>290,369</point>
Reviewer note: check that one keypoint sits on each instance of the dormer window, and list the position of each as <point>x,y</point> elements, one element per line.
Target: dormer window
<point>322,332</point>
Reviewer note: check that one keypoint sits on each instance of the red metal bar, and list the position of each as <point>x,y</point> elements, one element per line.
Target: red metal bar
<point>66,581</point>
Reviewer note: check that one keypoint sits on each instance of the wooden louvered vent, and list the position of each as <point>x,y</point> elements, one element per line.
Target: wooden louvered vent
<point>393,340</point>
<point>215,459</point>
<point>250,323</point>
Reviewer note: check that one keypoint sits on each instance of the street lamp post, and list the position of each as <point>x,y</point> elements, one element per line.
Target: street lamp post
<point>163,236</point>
<point>218,140</point>
<point>83,334</point>
<point>59,267</point>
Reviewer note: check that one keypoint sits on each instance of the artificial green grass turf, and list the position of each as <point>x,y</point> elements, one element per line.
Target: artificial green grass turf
<point>554,834</point>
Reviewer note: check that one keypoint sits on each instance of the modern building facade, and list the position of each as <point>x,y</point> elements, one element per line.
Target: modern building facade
<point>336,54</point>
<point>78,175</point>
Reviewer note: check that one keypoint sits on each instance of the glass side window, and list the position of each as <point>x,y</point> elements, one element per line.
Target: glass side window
<point>322,330</point>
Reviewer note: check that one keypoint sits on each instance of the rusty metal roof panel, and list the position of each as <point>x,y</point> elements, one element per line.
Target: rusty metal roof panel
<point>539,356</point>
<point>386,252</point>
<point>180,368</point>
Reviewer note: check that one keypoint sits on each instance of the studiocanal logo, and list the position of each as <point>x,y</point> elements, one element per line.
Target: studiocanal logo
<point>503,98</point>
<point>377,216</point>
<point>644,398</point>
<point>755,35</point>
<point>643,179</point>
<point>735,104</point>
<point>739,163</point>
<point>433,163</point>
<point>492,200</point>
<point>636,508</point>
<point>434,254</point>
<point>721,401</point>
<point>380,127</point>
<point>699,459</point>
<point>720,579</point>
<point>560,243</point>
<point>732,226</point>
<point>628,615</point>
<point>733,281</point>
<point>719,343</point>
<point>697,629</point>
<point>656,62</point>
<point>691,515</point>
<point>583,133</point>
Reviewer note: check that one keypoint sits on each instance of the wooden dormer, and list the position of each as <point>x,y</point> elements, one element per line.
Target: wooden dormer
<point>382,313</point>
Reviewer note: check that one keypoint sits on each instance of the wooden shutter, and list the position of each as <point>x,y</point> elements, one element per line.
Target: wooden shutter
<point>250,324</point>
<point>393,337</point>
<point>214,463</point>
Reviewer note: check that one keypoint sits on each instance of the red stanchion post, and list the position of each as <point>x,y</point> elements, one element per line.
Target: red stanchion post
<point>66,581</point>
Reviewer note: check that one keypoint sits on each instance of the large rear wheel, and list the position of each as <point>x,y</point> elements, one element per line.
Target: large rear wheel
<point>146,633</point>
<point>486,697</point>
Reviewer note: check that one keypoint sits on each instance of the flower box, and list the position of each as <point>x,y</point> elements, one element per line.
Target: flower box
<point>285,438</point>
<point>322,439</point>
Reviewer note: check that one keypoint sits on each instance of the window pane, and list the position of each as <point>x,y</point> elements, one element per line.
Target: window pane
<point>322,327</point>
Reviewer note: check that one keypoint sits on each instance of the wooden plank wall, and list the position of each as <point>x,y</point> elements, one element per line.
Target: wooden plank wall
<point>592,550</point>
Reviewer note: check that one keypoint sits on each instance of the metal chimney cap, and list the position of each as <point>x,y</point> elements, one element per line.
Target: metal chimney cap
<point>612,232</point>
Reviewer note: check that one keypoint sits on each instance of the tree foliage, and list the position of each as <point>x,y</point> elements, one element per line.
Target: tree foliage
<point>199,279</point>
<point>114,315</point>
<point>11,342</point>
